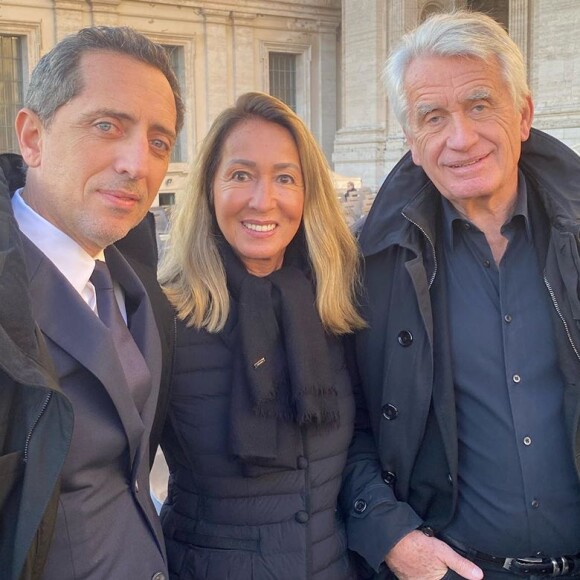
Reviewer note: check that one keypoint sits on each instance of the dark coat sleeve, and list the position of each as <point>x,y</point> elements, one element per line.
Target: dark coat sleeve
<point>36,419</point>
<point>3,181</point>
<point>12,171</point>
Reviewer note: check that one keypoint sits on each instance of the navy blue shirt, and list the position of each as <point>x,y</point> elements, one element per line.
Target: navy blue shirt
<point>519,493</point>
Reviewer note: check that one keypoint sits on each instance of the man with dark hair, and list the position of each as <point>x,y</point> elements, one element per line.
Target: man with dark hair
<point>101,116</point>
<point>470,361</point>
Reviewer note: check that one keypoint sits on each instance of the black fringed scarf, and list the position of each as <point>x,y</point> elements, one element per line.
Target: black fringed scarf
<point>282,376</point>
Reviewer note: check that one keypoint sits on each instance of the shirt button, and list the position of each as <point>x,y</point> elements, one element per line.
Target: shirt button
<point>360,505</point>
<point>390,412</point>
<point>535,504</point>
<point>301,517</point>
<point>302,462</point>
<point>508,318</point>
<point>527,440</point>
<point>486,263</point>
<point>516,378</point>
<point>158,576</point>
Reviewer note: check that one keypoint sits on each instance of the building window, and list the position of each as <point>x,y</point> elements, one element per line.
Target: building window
<point>11,89</point>
<point>286,74</point>
<point>282,71</point>
<point>176,57</point>
<point>498,9</point>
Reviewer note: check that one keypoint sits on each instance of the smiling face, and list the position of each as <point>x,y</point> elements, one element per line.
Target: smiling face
<point>258,193</point>
<point>96,168</point>
<point>464,129</point>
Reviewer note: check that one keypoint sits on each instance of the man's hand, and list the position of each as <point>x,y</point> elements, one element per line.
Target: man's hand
<point>420,557</point>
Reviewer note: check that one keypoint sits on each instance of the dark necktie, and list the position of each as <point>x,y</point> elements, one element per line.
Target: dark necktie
<point>134,365</point>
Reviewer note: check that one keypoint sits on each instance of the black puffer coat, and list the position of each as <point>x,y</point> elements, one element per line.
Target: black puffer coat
<point>220,525</point>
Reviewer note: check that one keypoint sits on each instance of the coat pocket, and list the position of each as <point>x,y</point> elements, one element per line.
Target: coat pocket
<point>217,542</point>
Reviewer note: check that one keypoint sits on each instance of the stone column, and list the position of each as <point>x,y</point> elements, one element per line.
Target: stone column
<point>69,17</point>
<point>105,12</point>
<point>324,87</point>
<point>518,24</point>
<point>360,142</point>
<point>402,16</point>
<point>217,63</point>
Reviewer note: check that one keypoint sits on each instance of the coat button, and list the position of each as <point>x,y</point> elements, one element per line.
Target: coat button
<point>301,517</point>
<point>389,478</point>
<point>302,462</point>
<point>136,486</point>
<point>390,412</point>
<point>405,338</point>
<point>360,505</point>
<point>450,479</point>
<point>159,576</point>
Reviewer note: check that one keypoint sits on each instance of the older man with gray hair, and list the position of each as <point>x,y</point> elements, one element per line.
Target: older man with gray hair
<point>470,362</point>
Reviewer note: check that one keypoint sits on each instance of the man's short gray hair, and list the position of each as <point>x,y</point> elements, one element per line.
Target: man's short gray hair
<point>459,33</point>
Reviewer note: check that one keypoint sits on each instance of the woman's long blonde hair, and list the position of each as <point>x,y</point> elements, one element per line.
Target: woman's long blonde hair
<point>191,271</point>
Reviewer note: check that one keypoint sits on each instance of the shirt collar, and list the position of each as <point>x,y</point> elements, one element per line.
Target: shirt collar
<point>451,216</point>
<point>75,264</point>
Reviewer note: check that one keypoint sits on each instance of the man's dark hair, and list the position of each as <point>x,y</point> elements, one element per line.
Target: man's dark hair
<point>57,78</point>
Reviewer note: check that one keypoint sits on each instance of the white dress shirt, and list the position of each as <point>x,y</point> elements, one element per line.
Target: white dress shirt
<point>75,264</point>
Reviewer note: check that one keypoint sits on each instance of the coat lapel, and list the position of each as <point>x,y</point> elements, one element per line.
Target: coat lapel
<point>67,320</point>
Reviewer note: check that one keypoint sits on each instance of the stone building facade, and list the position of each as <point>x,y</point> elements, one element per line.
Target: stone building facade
<point>220,49</point>
<point>336,50</point>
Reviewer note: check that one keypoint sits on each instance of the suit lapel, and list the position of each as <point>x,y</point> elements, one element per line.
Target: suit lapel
<point>67,320</point>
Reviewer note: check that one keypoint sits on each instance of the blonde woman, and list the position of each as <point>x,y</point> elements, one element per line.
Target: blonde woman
<point>261,271</point>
